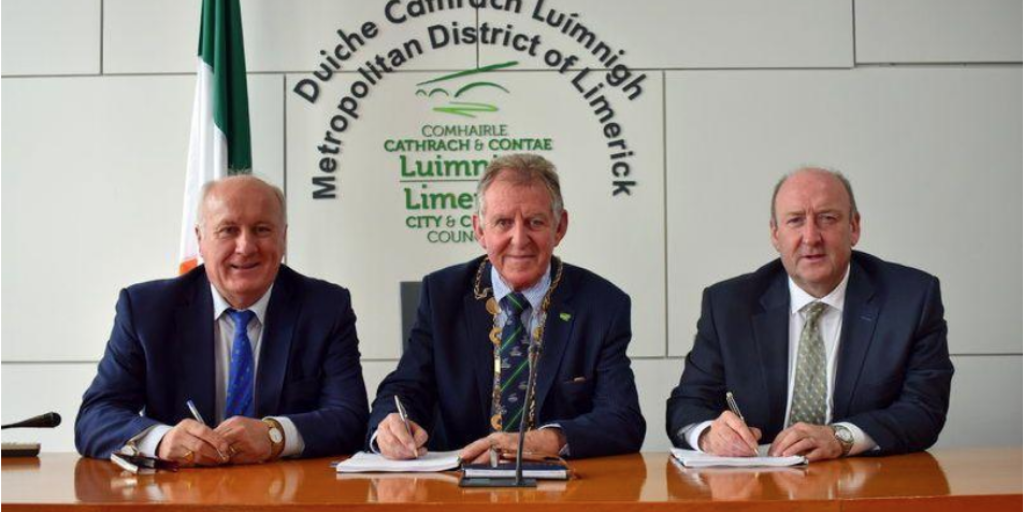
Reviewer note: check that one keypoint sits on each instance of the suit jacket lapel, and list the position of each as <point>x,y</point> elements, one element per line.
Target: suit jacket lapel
<point>478,323</point>
<point>561,318</point>
<point>196,371</point>
<point>771,330</point>
<point>859,319</point>
<point>282,315</point>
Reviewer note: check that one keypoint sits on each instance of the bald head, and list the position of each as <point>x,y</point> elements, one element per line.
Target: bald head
<point>243,185</point>
<point>820,171</point>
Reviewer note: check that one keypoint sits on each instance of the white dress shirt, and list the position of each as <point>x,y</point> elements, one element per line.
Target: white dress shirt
<point>830,324</point>
<point>223,337</point>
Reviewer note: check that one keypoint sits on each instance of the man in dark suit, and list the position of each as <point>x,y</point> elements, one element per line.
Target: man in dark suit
<point>269,355</point>
<point>463,378</point>
<point>827,351</point>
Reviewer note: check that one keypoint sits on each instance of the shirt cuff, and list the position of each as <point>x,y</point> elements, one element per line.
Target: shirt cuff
<point>564,452</point>
<point>148,441</point>
<point>692,434</point>
<point>862,442</point>
<point>293,443</point>
<point>373,443</point>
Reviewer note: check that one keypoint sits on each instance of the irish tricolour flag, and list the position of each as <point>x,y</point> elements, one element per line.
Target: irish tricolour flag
<point>220,144</point>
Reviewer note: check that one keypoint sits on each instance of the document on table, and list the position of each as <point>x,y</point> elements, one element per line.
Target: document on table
<point>366,462</point>
<point>695,459</point>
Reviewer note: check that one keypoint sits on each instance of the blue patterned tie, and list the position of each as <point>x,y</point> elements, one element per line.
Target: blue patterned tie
<point>515,344</point>
<point>240,382</point>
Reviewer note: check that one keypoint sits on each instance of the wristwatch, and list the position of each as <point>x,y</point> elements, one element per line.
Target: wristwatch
<point>845,438</point>
<point>276,434</point>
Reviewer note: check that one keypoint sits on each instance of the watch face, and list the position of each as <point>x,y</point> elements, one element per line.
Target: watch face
<point>275,436</point>
<point>844,435</point>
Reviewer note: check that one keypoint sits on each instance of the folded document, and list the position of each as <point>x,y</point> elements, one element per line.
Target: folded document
<point>695,459</point>
<point>365,462</point>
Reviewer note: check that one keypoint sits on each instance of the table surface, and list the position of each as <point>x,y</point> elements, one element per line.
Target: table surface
<point>953,479</point>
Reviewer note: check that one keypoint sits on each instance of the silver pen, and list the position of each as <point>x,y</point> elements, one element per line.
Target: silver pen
<point>195,412</point>
<point>405,419</point>
<point>731,402</point>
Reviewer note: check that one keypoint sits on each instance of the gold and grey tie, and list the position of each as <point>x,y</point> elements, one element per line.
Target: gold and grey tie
<point>809,389</point>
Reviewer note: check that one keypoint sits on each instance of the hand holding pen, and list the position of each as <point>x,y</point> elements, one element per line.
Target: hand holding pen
<point>399,437</point>
<point>729,435</point>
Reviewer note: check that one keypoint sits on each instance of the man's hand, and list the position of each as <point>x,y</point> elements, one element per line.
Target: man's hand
<point>728,436</point>
<point>394,440</point>
<point>548,441</point>
<point>191,443</point>
<point>816,442</point>
<point>249,439</point>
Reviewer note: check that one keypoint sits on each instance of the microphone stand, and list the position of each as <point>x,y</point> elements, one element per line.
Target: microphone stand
<point>518,481</point>
<point>532,356</point>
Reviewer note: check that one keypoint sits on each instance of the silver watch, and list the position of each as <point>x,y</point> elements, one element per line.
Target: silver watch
<point>844,436</point>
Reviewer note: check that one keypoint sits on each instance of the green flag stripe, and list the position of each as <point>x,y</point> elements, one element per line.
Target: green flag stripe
<point>221,48</point>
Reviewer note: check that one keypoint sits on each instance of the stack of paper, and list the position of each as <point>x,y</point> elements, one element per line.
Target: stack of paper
<point>695,459</point>
<point>365,462</point>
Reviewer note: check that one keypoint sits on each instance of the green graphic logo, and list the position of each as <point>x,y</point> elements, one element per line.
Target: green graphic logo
<point>455,104</point>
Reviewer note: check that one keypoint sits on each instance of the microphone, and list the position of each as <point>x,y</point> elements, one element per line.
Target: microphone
<point>48,420</point>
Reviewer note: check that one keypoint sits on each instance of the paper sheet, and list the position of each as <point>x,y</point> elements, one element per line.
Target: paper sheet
<point>695,459</point>
<point>366,462</point>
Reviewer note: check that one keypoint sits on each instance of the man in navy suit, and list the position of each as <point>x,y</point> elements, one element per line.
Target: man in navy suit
<point>463,378</point>
<point>828,352</point>
<point>269,356</point>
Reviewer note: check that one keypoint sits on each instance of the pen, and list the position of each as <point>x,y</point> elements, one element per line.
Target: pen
<point>195,412</point>
<point>405,419</point>
<point>199,417</point>
<point>732,405</point>
<point>731,402</point>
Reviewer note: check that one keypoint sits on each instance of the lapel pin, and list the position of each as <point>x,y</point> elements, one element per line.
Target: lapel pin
<point>564,316</point>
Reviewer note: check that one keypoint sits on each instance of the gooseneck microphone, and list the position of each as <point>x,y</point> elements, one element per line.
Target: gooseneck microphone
<point>48,420</point>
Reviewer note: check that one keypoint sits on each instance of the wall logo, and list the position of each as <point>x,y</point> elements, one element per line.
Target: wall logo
<point>457,88</point>
<point>438,164</point>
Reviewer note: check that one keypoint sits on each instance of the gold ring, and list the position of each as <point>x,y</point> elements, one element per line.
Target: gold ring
<point>189,457</point>
<point>231,450</point>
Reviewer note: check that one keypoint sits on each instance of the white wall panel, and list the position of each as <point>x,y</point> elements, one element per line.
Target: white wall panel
<point>689,33</point>
<point>918,31</point>
<point>93,180</point>
<point>51,37</point>
<point>933,154</point>
<point>361,241</point>
<point>161,36</point>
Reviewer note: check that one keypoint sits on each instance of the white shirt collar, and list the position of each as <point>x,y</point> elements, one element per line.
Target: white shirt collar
<point>798,298</point>
<point>534,294</point>
<point>220,305</point>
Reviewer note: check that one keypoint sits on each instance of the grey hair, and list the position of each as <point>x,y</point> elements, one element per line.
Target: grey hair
<point>523,169</point>
<point>831,172</point>
<point>208,187</point>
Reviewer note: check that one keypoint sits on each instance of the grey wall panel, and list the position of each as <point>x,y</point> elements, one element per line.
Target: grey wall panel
<point>933,154</point>
<point>685,34</point>
<point>918,31</point>
<point>161,36</point>
<point>51,37</point>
